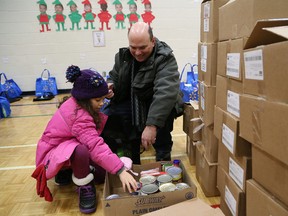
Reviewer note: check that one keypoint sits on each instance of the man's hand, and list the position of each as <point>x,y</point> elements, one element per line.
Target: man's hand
<point>110,91</point>
<point>149,136</point>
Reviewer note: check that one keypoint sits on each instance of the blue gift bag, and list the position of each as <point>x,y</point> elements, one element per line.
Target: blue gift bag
<point>46,84</point>
<point>189,88</point>
<point>9,88</point>
<point>5,109</point>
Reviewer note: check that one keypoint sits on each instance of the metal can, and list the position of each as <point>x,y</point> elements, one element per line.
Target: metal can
<point>182,186</point>
<point>148,179</point>
<point>167,187</point>
<point>166,165</point>
<point>165,178</point>
<point>112,196</point>
<point>149,189</point>
<point>176,173</point>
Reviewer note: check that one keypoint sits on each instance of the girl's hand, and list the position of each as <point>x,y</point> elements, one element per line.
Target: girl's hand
<point>128,181</point>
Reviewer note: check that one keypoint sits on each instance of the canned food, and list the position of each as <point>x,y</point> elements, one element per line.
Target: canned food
<point>112,196</point>
<point>166,165</point>
<point>165,178</point>
<point>148,179</point>
<point>176,173</point>
<point>182,186</point>
<point>176,162</point>
<point>167,187</point>
<point>149,189</point>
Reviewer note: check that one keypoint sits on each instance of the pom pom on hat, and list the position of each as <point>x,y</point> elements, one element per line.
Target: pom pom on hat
<point>86,83</point>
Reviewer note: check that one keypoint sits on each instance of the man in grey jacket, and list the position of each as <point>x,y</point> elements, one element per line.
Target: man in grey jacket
<point>144,93</point>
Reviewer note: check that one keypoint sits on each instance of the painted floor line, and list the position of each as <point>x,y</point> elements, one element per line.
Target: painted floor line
<point>29,116</point>
<point>34,104</point>
<point>18,146</point>
<point>17,167</point>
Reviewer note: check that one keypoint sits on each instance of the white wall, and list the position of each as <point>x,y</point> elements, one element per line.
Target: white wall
<point>25,52</point>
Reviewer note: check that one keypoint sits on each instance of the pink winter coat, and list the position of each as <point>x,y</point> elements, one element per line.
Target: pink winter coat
<point>68,128</point>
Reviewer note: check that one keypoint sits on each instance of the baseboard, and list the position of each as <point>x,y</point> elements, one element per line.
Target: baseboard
<point>60,91</point>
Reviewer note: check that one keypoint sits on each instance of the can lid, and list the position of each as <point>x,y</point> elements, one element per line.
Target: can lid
<point>148,179</point>
<point>167,187</point>
<point>149,188</point>
<point>112,196</point>
<point>164,178</point>
<point>182,186</point>
<point>174,170</point>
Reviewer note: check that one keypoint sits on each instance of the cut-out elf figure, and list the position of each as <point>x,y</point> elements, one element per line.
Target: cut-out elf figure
<point>43,17</point>
<point>119,16</point>
<point>59,17</point>
<point>74,16</point>
<point>88,15</point>
<point>133,16</point>
<point>147,16</point>
<point>104,16</point>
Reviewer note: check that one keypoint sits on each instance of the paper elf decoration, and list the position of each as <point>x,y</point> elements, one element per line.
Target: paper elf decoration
<point>104,15</point>
<point>74,16</point>
<point>119,16</point>
<point>88,15</point>
<point>133,16</point>
<point>59,17</point>
<point>43,17</point>
<point>147,16</point>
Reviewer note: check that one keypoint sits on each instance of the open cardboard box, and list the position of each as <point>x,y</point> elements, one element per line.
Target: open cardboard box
<point>127,204</point>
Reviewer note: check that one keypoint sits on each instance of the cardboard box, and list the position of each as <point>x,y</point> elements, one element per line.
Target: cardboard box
<point>137,205</point>
<point>209,20</point>
<point>191,151</point>
<point>228,93</point>
<point>207,98</point>
<point>260,202</point>
<point>221,175</point>
<point>266,75</point>
<point>265,125</point>
<point>191,111</point>
<point>230,58</point>
<point>237,18</point>
<point>271,173</point>
<point>233,199</point>
<point>195,206</point>
<point>238,168</point>
<point>226,129</point>
<point>210,143</point>
<point>207,61</point>
<point>206,173</point>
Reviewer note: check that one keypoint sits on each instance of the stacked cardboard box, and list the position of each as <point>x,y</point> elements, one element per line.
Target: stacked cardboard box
<point>191,122</point>
<point>237,19</point>
<point>207,152</point>
<point>264,113</point>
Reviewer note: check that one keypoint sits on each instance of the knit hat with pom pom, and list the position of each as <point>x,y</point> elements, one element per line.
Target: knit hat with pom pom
<point>86,83</point>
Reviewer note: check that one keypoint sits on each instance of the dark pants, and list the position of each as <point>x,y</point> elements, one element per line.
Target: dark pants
<point>119,133</point>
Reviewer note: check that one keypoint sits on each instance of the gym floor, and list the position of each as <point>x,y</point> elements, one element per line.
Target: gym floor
<point>19,135</point>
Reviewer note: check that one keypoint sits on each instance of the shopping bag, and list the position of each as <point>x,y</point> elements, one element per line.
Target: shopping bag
<point>46,84</point>
<point>9,88</point>
<point>5,109</point>
<point>189,88</point>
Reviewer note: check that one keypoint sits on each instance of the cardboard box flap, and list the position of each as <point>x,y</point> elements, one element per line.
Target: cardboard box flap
<point>279,30</point>
<point>262,36</point>
<point>187,208</point>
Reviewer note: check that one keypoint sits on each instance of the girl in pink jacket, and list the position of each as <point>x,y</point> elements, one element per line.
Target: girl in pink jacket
<point>72,139</point>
